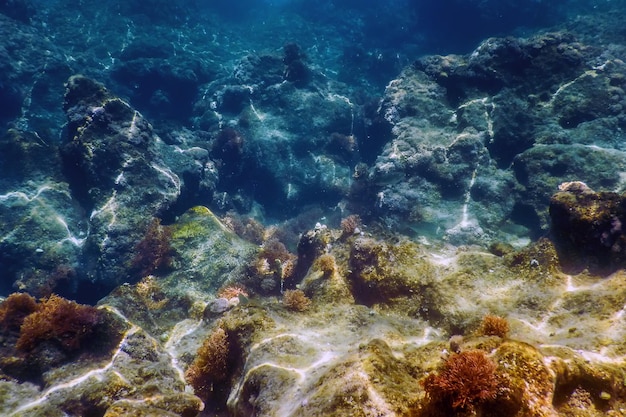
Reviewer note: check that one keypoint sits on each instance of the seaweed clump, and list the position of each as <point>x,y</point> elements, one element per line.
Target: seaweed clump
<point>494,326</point>
<point>14,310</point>
<point>40,336</point>
<point>296,300</point>
<point>60,320</point>
<point>273,265</point>
<point>154,252</point>
<point>465,381</point>
<point>210,367</point>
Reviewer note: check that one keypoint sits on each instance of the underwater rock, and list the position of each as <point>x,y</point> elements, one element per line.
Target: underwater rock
<point>587,227</point>
<point>40,339</point>
<point>159,86</point>
<point>562,350</point>
<point>49,244</point>
<point>380,272</point>
<point>207,256</point>
<point>469,160</point>
<point>319,376</point>
<point>41,228</point>
<point>598,93</point>
<point>280,129</point>
<point>137,375</point>
<point>425,175</point>
<point>541,169</point>
<point>115,173</point>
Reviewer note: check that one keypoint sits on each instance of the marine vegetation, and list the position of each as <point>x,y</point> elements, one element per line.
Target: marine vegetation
<point>296,300</point>
<point>211,364</point>
<point>15,309</point>
<point>326,264</point>
<point>60,320</point>
<point>153,252</point>
<point>494,326</point>
<point>464,382</point>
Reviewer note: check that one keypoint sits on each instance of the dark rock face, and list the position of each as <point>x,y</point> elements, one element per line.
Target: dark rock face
<point>161,87</point>
<point>272,124</point>
<point>115,173</point>
<point>588,227</point>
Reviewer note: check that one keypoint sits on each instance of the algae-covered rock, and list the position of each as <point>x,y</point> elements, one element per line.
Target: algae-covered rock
<point>593,95</point>
<point>207,253</point>
<point>41,229</point>
<point>587,227</point>
<point>562,352</point>
<point>206,256</point>
<point>115,173</point>
<point>335,362</point>
<point>479,142</point>
<point>381,271</point>
<point>542,169</point>
<point>173,405</point>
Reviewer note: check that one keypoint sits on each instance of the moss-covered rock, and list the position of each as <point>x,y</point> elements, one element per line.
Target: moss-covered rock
<point>381,271</point>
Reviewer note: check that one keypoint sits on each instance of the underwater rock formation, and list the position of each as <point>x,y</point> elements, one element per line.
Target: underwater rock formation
<point>479,143</point>
<point>115,173</point>
<point>73,214</point>
<point>373,302</point>
<point>557,348</point>
<point>282,125</point>
<point>41,236</point>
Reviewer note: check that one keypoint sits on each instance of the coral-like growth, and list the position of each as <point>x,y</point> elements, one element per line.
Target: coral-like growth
<point>494,326</point>
<point>350,225</point>
<point>296,300</point>
<point>245,227</point>
<point>14,310</point>
<point>274,264</point>
<point>211,364</point>
<point>326,264</point>
<point>465,381</point>
<point>232,291</point>
<point>60,320</point>
<point>273,249</point>
<point>153,252</point>
<point>151,293</point>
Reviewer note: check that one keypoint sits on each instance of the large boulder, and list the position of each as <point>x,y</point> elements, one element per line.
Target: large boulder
<point>478,143</point>
<point>116,174</point>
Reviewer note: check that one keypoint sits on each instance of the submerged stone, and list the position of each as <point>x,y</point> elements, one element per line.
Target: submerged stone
<point>588,227</point>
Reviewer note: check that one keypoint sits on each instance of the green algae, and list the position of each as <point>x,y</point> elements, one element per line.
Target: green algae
<point>197,222</point>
